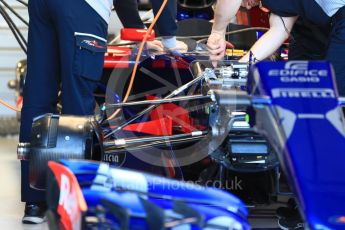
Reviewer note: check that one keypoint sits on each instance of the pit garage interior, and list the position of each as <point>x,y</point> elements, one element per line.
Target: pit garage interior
<point>255,132</point>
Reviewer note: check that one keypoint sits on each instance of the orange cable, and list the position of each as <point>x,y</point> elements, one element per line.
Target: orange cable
<point>141,47</point>
<point>9,106</point>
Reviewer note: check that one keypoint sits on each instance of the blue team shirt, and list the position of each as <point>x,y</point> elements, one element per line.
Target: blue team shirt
<point>102,7</point>
<point>331,6</point>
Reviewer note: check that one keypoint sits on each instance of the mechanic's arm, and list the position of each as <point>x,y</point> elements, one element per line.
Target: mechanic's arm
<point>272,39</point>
<point>128,13</point>
<point>225,10</point>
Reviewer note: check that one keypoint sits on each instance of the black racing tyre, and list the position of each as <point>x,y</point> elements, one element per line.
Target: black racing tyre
<point>55,137</point>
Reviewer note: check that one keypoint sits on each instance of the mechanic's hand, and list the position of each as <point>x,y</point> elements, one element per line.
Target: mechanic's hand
<point>181,47</point>
<point>155,45</point>
<point>216,46</point>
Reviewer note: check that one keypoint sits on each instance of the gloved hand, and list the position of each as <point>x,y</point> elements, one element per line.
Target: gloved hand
<point>155,45</point>
<point>181,47</point>
<point>216,45</point>
<point>171,44</point>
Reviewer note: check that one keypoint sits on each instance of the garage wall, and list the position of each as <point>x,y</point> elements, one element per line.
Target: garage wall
<point>10,53</point>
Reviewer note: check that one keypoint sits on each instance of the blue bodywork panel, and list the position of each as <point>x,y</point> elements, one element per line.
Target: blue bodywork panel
<point>129,190</point>
<point>309,127</point>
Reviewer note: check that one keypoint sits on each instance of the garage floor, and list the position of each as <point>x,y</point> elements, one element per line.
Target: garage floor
<point>11,209</point>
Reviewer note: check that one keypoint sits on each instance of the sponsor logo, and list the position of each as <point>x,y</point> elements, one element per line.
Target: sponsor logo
<point>298,71</point>
<point>303,93</point>
<point>116,159</point>
<point>93,43</point>
<point>300,79</point>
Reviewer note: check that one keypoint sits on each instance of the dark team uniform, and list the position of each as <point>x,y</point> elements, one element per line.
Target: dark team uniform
<point>308,41</point>
<point>320,12</point>
<point>66,46</point>
<point>127,10</point>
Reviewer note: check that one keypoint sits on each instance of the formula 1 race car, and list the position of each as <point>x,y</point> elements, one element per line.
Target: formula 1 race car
<point>295,107</point>
<point>188,120</point>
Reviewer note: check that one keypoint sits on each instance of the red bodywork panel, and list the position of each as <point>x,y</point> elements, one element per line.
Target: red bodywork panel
<point>133,34</point>
<point>159,127</point>
<point>71,204</point>
<point>179,116</point>
<point>117,57</point>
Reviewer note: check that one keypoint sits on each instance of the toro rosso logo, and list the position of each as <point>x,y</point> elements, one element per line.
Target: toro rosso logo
<point>93,43</point>
<point>298,71</point>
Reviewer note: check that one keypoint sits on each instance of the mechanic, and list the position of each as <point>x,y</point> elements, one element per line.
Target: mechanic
<point>308,41</point>
<point>66,46</point>
<point>128,14</point>
<point>282,18</point>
